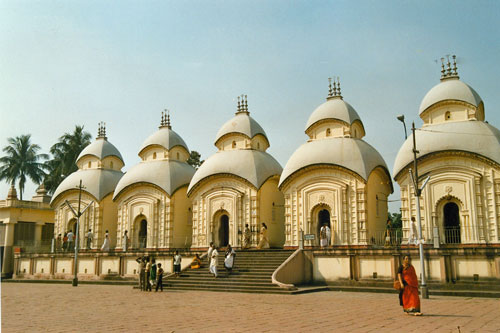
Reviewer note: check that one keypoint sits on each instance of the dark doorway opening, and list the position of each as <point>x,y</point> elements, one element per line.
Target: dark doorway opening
<point>143,234</point>
<point>224,230</point>
<point>451,223</point>
<point>323,219</point>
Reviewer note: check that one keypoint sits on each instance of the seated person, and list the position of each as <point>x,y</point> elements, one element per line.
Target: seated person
<point>196,262</point>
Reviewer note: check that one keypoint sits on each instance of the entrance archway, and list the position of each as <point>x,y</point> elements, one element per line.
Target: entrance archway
<point>451,223</point>
<point>143,233</point>
<point>224,230</point>
<point>321,216</point>
<point>72,226</point>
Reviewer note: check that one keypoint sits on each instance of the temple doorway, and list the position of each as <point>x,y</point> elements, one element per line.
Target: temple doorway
<point>323,218</point>
<point>143,233</point>
<point>451,223</point>
<point>223,230</point>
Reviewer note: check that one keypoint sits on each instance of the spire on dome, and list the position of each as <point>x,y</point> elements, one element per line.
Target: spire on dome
<point>449,72</point>
<point>101,130</point>
<point>165,119</point>
<point>242,104</point>
<point>334,90</point>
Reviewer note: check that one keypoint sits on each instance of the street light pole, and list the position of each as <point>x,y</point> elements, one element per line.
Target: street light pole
<point>418,193</point>
<point>77,214</point>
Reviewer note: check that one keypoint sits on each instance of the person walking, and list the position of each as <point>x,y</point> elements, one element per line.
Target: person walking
<point>213,260</point>
<point>125,241</point>
<point>90,237</point>
<point>408,294</point>
<point>159,278</point>
<point>247,237</point>
<point>229,259</point>
<point>177,264</point>
<point>105,244</point>
<point>71,242</point>
<point>264,242</point>
<point>209,254</point>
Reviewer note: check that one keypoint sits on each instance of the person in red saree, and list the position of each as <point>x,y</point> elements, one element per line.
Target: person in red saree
<point>408,295</point>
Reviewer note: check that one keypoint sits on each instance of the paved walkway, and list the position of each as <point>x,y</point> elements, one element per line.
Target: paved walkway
<point>40,307</point>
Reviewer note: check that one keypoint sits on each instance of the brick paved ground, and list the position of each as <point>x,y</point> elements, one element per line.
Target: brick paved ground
<point>37,307</point>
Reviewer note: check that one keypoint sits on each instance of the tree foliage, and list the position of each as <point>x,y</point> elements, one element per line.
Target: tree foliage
<point>64,155</point>
<point>395,220</point>
<point>21,162</point>
<point>195,159</point>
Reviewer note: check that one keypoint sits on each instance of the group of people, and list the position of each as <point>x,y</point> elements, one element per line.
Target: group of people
<point>247,238</point>
<point>65,243</point>
<point>212,257</point>
<point>150,274</point>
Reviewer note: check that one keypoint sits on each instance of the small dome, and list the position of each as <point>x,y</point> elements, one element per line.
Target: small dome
<point>98,182</point>
<point>253,165</point>
<point>450,89</point>
<point>472,136</point>
<point>333,108</point>
<point>242,123</point>
<point>353,154</point>
<point>166,174</point>
<point>165,137</point>
<point>100,148</point>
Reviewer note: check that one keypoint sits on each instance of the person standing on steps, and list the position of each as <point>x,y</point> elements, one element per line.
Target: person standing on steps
<point>90,236</point>
<point>213,261</point>
<point>264,242</point>
<point>209,254</point>
<point>177,264</point>
<point>247,237</point>
<point>229,259</point>
<point>323,240</point>
<point>105,244</point>
<point>159,279</point>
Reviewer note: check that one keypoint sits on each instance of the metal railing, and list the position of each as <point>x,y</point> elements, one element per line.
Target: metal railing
<point>32,246</point>
<point>452,235</point>
<point>389,237</point>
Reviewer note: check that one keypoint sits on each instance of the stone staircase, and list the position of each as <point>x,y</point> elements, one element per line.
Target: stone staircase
<point>251,273</point>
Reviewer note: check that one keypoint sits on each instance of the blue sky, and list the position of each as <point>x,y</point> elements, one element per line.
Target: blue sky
<point>80,62</point>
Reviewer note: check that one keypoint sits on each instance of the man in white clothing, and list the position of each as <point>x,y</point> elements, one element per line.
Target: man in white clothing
<point>213,261</point>
<point>209,254</point>
<point>328,235</point>
<point>90,236</point>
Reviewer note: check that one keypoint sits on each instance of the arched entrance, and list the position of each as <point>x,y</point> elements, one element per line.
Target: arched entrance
<point>451,223</point>
<point>321,216</point>
<point>142,235</point>
<point>223,230</point>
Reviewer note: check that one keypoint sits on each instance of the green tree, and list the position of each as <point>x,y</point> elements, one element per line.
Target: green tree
<point>194,159</point>
<point>64,155</point>
<point>21,162</point>
<point>395,220</point>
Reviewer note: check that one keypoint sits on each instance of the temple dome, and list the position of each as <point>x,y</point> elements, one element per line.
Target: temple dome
<point>100,148</point>
<point>252,165</point>
<point>450,89</point>
<point>475,137</point>
<point>334,108</point>
<point>353,154</point>
<point>241,123</point>
<point>164,137</point>
<point>169,175</point>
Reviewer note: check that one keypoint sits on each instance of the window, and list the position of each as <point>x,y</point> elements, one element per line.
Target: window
<point>258,145</point>
<point>90,164</point>
<point>328,132</point>
<point>154,156</point>
<point>178,156</point>
<point>111,164</point>
<point>447,115</point>
<point>234,144</point>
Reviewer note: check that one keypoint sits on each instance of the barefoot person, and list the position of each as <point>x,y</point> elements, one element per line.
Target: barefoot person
<point>264,242</point>
<point>408,295</point>
<point>213,261</point>
<point>229,259</point>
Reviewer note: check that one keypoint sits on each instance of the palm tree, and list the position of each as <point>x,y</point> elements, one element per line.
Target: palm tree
<point>65,152</point>
<point>22,161</point>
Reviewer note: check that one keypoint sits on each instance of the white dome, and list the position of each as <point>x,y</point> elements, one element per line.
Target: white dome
<point>100,148</point>
<point>333,108</point>
<point>450,89</point>
<point>98,182</point>
<point>165,137</point>
<point>241,123</point>
<point>472,136</point>
<point>253,165</point>
<point>353,154</point>
<point>166,174</point>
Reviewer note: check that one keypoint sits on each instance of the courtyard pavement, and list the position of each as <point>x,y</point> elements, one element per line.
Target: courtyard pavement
<point>42,307</point>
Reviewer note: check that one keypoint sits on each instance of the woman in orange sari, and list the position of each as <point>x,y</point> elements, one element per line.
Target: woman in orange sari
<point>408,295</point>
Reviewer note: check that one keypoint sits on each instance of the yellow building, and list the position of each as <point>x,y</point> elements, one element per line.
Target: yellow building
<point>335,178</point>
<point>237,185</point>
<point>26,224</point>
<point>99,169</point>
<point>151,197</point>
<point>460,152</point>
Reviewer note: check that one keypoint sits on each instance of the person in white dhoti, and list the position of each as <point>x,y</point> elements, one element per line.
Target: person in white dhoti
<point>209,254</point>
<point>105,245</point>
<point>213,261</point>
<point>323,240</point>
<point>229,259</point>
<point>125,241</point>
<point>413,237</point>
<point>328,236</point>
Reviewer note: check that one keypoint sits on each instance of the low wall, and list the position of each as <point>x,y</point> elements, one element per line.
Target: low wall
<point>91,265</point>
<point>296,270</point>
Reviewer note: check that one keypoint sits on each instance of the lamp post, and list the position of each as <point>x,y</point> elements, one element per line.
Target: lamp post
<point>418,193</point>
<point>77,215</point>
